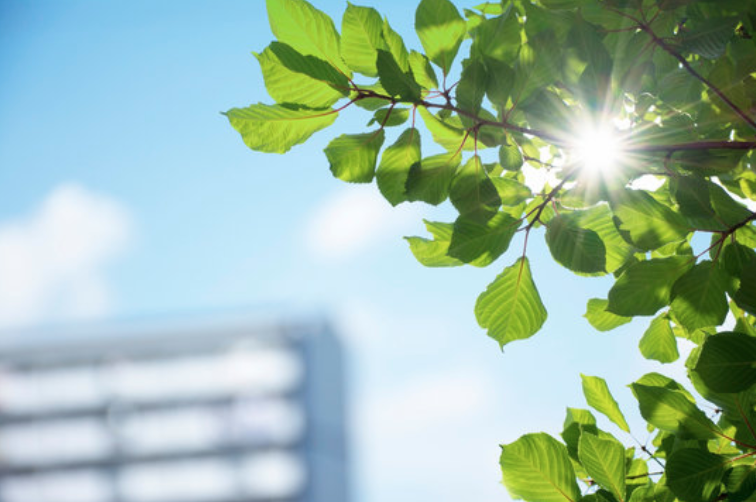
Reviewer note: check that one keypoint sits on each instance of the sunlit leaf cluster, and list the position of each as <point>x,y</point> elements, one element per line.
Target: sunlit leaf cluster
<point>641,116</point>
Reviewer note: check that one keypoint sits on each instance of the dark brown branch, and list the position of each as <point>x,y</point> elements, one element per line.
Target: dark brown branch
<point>723,237</point>
<point>684,62</point>
<point>561,141</point>
<point>696,145</point>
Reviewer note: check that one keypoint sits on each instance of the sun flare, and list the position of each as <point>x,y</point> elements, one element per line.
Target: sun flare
<point>598,149</point>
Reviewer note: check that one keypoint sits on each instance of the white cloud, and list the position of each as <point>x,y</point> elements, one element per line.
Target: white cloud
<point>354,219</point>
<point>52,261</point>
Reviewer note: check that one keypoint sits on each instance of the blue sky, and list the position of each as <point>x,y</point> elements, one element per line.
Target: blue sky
<point>126,194</point>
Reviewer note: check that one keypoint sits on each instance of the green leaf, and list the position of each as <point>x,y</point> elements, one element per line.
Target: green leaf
<point>396,46</point>
<point>578,249</point>
<point>654,379</point>
<point>658,342</point>
<point>451,138</point>
<point>434,253</point>
<point>302,80</point>
<point>727,362</point>
<point>729,210</point>
<point>534,68</point>
<point>511,192</point>
<point>501,79</point>
<point>471,88</point>
<point>480,243</point>
<point>510,157</point>
<point>472,191</point>
<point>353,156</point>
<point>441,30</point>
<point>422,70</point>
<point>745,297</point>
<point>390,117</point>
<point>599,219</point>
<point>307,30</point>
<point>600,318</point>
<point>498,38</point>
<point>695,475</point>
<point>672,411</point>
<point>740,483</point>
<point>595,78</point>
<point>698,297</point>
<point>710,39</point>
<point>536,467</point>
<point>511,308</point>
<point>396,82</point>
<point>576,422</point>
<point>604,460</point>
<point>646,286</point>
<point>396,162</point>
<point>429,180</point>
<point>361,37</point>
<point>648,223</point>
<point>598,397</point>
<point>277,128</point>
<point>692,196</point>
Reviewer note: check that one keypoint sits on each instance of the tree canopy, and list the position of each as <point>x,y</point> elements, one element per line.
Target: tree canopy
<point>642,116</point>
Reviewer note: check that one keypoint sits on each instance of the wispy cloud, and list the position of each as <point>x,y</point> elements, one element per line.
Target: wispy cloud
<point>354,219</point>
<point>52,261</point>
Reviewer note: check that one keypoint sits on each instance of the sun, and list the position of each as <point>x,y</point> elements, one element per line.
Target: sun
<point>598,148</point>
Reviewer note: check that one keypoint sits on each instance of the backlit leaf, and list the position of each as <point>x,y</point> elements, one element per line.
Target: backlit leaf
<point>434,252</point>
<point>537,467</point>
<point>510,157</point>
<point>511,192</point>
<point>710,39</point>
<point>672,411</point>
<point>429,180</point>
<point>451,138</point>
<point>599,219</point>
<point>511,308</point>
<point>578,249</point>
<point>397,83</point>
<point>441,30</point>
<point>303,80</point>
<point>307,30</point>
<point>480,243</point>
<point>498,38</point>
<point>600,318</point>
<point>390,117</point>
<point>698,297</point>
<point>727,362</point>
<point>659,342</point>
<point>646,286</point>
<point>361,37</point>
<point>598,397</point>
<point>648,223</point>
<point>277,128</point>
<point>396,46</point>
<point>695,475</point>
<point>472,191</point>
<point>604,460</point>
<point>422,70</point>
<point>471,88</point>
<point>395,165</point>
<point>353,156</point>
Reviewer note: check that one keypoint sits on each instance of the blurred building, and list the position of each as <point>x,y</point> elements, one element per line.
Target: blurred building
<point>225,413</point>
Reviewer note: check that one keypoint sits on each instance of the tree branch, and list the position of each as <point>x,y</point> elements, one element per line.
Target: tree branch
<point>684,62</point>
